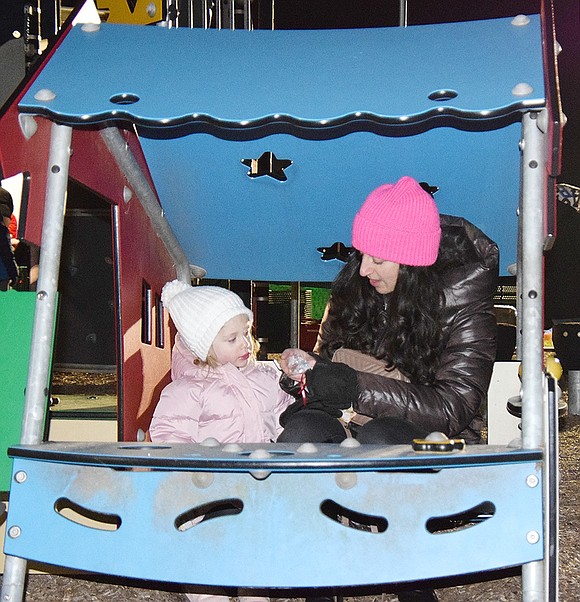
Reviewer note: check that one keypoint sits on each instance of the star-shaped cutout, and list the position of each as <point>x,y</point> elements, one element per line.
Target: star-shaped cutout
<point>428,188</point>
<point>268,165</point>
<point>337,251</point>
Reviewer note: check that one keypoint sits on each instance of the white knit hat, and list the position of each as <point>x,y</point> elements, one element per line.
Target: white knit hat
<point>199,312</point>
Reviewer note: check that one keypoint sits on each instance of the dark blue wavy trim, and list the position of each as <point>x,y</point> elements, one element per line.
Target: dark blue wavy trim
<point>303,128</point>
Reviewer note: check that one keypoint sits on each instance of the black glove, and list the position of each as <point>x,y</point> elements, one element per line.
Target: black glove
<point>299,405</point>
<point>290,411</point>
<point>331,387</point>
<point>290,386</point>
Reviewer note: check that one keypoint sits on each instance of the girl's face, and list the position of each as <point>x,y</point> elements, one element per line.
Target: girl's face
<point>233,342</point>
<point>382,274</point>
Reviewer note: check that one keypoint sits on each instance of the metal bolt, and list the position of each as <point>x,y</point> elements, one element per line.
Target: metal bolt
<point>14,532</point>
<point>45,95</point>
<point>532,480</point>
<point>20,476</point>
<point>202,479</point>
<point>260,454</point>
<point>346,480</point>
<point>533,537</point>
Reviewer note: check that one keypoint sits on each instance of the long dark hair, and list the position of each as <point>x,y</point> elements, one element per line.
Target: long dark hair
<point>404,328</point>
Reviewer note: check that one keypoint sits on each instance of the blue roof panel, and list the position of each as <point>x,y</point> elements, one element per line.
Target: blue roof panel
<point>208,103</point>
<point>307,79</point>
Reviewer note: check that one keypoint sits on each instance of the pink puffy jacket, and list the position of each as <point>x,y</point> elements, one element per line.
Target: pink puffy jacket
<point>231,405</point>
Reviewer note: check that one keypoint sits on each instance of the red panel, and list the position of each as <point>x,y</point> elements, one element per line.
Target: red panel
<point>18,155</point>
<point>146,367</point>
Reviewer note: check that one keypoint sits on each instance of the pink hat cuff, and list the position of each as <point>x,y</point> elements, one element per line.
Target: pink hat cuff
<point>397,246</point>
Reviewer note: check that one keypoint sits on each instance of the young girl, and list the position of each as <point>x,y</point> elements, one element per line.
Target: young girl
<point>218,389</point>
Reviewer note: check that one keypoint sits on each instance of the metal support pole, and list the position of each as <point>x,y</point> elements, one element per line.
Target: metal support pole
<point>532,219</point>
<point>534,414</point>
<point>295,315</point>
<point>232,14</point>
<point>248,23</point>
<point>402,13</point>
<point>218,14</point>
<point>552,494</point>
<point>519,286</point>
<point>13,579</point>
<point>35,401</point>
<point>137,180</point>
<point>574,392</point>
<point>44,315</point>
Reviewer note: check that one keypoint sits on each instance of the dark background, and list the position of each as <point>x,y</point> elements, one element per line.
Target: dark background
<point>562,271</point>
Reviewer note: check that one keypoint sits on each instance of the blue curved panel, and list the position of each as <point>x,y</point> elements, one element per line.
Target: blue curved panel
<point>301,80</point>
<point>260,228</point>
<point>375,481</point>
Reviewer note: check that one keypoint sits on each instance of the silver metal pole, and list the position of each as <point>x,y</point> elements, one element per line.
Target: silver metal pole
<point>137,180</point>
<point>519,281</point>
<point>295,315</point>
<point>574,392</point>
<point>232,15</point>
<point>35,400</point>
<point>534,411</point>
<point>13,579</point>
<point>532,219</point>
<point>402,13</point>
<point>248,15</point>
<point>218,14</point>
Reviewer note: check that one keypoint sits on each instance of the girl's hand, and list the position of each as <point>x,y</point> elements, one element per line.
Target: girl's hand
<point>294,362</point>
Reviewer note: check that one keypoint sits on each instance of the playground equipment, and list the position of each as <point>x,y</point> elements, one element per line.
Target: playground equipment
<point>246,154</point>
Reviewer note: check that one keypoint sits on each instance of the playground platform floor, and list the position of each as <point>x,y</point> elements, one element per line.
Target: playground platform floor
<point>505,586</point>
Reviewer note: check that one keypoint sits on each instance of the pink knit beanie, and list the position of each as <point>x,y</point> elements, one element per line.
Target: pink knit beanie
<point>400,223</point>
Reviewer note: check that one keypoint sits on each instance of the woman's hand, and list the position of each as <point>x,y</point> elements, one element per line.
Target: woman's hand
<point>294,362</point>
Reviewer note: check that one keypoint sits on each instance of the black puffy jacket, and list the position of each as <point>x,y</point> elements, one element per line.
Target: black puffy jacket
<point>453,403</point>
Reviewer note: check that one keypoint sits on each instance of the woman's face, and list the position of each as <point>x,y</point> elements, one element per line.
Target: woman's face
<point>382,274</point>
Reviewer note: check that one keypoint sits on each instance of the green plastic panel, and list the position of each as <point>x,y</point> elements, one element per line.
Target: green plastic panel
<point>17,318</point>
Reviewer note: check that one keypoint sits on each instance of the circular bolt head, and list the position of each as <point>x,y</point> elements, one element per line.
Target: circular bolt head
<point>532,480</point>
<point>533,537</point>
<point>14,532</point>
<point>20,476</point>
<point>346,480</point>
<point>203,480</point>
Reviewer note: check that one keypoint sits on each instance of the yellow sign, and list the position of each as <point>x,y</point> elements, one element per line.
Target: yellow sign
<point>135,12</point>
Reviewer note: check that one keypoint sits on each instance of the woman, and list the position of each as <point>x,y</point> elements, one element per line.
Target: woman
<point>417,293</point>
